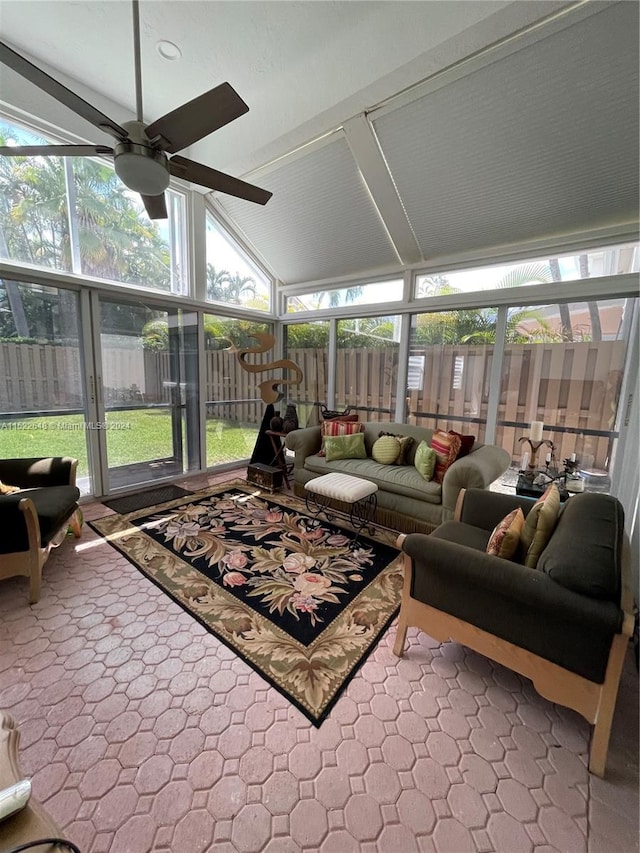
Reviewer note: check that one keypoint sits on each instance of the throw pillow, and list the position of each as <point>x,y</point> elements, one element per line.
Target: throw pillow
<point>5,489</point>
<point>386,450</point>
<point>345,447</point>
<point>447,447</point>
<point>505,538</point>
<point>425,461</point>
<point>406,443</point>
<point>539,525</point>
<point>466,443</point>
<point>335,428</point>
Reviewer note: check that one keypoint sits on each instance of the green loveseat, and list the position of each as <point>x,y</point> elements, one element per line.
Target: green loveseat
<point>406,501</point>
<point>565,624</point>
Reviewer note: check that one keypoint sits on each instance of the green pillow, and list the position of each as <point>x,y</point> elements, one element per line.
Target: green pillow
<point>425,460</point>
<point>386,450</point>
<point>345,447</point>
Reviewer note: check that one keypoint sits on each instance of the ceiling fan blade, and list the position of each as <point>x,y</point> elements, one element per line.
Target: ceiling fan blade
<point>45,82</point>
<point>54,150</point>
<point>155,205</point>
<point>180,167</point>
<point>199,117</point>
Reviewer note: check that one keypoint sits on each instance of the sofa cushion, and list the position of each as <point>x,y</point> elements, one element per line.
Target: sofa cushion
<point>385,450</point>
<point>336,428</point>
<point>466,443</point>
<point>345,447</point>
<point>53,504</point>
<point>505,537</point>
<point>425,460</point>
<point>463,534</point>
<point>584,553</point>
<point>447,447</point>
<point>406,443</point>
<point>539,525</point>
<point>403,480</point>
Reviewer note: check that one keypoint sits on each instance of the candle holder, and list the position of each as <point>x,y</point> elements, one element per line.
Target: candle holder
<point>530,473</point>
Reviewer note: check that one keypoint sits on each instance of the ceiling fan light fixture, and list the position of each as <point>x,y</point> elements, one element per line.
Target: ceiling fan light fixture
<point>168,50</point>
<point>141,169</point>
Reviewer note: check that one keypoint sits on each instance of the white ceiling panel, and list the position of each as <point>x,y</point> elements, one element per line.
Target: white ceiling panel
<point>321,221</point>
<point>542,142</point>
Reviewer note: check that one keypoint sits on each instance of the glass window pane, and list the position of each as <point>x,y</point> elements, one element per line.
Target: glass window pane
<point>232,278</point>
<point>367,366</point>
<point>360,294</point>
<point>307,345</point>
<point>563,365</point>
<point>117,240</point>
<point>42,405</point>
<point>33,204</point>
<point>234,406</point>
<point>594,263</point>
<point>449,371</point>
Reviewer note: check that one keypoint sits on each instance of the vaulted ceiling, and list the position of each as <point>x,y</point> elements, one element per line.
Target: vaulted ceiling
<point>389,132</point>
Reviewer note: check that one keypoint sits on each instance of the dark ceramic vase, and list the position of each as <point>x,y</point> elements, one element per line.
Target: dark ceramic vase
<point>275,423</point>
<point>290,419</point>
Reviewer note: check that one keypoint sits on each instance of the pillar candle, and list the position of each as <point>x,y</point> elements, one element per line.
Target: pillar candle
<point>536,430</point>
<point>573,457</point>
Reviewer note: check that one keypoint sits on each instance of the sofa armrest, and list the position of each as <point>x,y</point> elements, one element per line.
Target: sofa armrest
<point>304,442</point>
<point>475,471</point>
<point>35,472</point>
<point>13,520</point>
<point>483,508</point>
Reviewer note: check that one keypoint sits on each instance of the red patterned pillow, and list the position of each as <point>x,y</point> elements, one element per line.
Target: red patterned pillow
<point>505,538</point>
<point>338,427</point>
<point>447,448</point>
<point>467,442</point>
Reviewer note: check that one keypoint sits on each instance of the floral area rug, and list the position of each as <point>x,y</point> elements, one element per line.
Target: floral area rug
<point>286,592</point>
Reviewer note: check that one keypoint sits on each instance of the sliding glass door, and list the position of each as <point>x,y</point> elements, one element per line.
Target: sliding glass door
<point>43,406</point>
<point>148,391</point>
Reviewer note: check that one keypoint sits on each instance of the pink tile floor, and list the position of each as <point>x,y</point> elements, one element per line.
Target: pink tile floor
<point>142,732</point>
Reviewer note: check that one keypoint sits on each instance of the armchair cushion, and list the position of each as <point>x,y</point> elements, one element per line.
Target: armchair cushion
<point>587,564</point>
<point>539,526</point>
<point>29,473</point>
<point>54,505</point>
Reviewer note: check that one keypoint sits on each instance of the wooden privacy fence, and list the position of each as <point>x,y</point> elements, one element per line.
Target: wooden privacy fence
<point>572,386</point>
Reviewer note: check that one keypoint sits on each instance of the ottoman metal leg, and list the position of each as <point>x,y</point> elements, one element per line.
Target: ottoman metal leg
<point>361,515</point>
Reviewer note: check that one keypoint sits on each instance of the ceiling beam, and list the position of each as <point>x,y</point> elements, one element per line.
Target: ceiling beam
<point>377,178</point>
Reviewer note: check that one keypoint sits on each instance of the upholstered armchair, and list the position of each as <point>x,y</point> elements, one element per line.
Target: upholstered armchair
<point>565,624</point>
<point>35,519</point>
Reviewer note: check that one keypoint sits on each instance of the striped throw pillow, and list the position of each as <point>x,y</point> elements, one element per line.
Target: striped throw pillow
<point>447,447</point>
<point>336,428</point>
<point>386,450</point>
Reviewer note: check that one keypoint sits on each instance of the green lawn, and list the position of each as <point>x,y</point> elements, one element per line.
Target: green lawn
<point>146,436</point>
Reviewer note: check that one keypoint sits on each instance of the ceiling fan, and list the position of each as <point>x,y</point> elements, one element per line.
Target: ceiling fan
<point>140,151</point>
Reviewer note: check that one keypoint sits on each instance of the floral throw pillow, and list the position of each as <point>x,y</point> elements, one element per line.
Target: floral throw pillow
<point>336,428</point>
<point>505,538</point>
<point>447,447</point>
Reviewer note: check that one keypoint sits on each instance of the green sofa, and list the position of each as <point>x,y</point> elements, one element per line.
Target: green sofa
<point>406,501</point>
<point>565,624</point>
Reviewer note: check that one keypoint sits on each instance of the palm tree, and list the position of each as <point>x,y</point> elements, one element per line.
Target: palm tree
<point>217,281</point>
<point>222,286</point>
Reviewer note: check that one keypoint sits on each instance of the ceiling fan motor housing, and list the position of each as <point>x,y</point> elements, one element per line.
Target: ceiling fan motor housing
<point>139,166</point>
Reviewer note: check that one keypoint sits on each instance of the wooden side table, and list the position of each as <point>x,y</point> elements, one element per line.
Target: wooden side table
<point>32,822</point>
<point>279,457</point>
